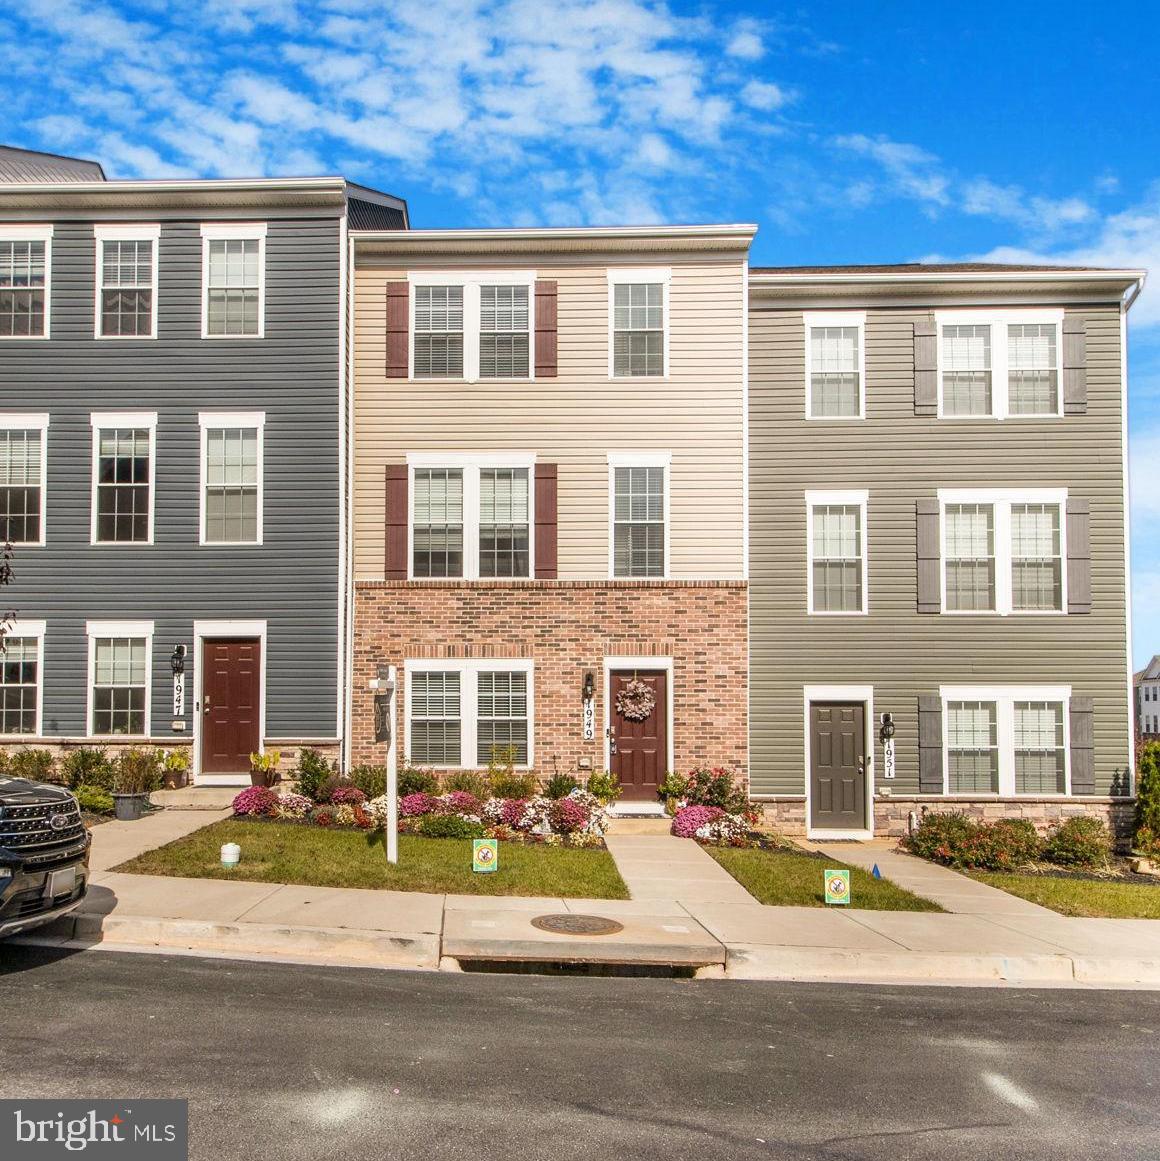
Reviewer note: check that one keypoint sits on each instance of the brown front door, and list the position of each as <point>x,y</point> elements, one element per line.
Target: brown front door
<point>838,765</point>
<point>638,748</point>
<point>231,704</point>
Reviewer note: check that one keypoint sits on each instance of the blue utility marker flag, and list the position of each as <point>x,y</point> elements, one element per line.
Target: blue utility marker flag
<point>877,872</point>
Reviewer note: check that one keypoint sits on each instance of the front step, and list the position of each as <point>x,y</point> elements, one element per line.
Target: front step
<point>622,825</point>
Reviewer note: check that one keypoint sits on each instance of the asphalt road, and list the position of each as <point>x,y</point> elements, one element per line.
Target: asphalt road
<point>288,1062</point>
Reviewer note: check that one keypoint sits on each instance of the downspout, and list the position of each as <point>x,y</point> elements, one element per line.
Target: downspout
<point>1126,302</point>
<point>342,700</point>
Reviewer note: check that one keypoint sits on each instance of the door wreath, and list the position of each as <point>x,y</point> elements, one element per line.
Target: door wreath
<point>635,701</point>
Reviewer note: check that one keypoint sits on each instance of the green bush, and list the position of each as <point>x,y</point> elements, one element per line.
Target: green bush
<point>413,780</point>
<point>604,786</point>
<point>560,786</point>
<point>1147,828</point>
<point>959,841</point>
<point>674,786</point>
<point>467,781</point>
<point>5,764</point>
<point>94,799</point>
<point>715,786</point>
<point>371,780</point>
<point>36,765</point>
<point>87,766</point>
<point>137,772</point>
<point>449,826</point>
<point>311,773</point>
<point>1079,842</point>
<point>502,779</point>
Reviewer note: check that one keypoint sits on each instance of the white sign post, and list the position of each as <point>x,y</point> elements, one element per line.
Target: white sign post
<point>384,687</point>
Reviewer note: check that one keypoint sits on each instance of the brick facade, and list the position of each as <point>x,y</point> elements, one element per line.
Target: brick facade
<point>568,628</point>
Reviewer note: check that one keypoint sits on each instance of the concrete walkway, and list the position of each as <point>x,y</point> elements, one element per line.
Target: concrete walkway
<point>117,842</point>
<point>659,866</point>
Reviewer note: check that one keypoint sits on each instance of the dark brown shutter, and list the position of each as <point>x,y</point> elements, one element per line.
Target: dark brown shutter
<point>1083,751</point>
<point>398,330</point>
<point>929,557</point>
<point>1074,365</point>
<point>396,522</point>
<point>926,366</point>
<point>930,745</point>
<point>546,507</point>
<point>1079,556</point>
<point>547,353</point>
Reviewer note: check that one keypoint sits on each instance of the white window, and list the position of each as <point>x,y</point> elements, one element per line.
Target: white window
<point>836,365</point>
<point>638,323</point>
<point>231,476</point>
<point>472,326</point>
<point>836,549</point>
<point>471,516</point>
<point>999,364</point>
<point>21,678</point>
<point>1002,551</point>
<point>126,304</point>
<point>638,486</point>
<point>119,677</point>
<point>23,477</point>
<point>124,455</point>
<point>233,280</point>
<point>462,713</point>
<point>1006,740</point>
<point>25,281</point>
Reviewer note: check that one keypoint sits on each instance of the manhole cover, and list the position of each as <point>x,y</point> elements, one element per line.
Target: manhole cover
<point>577,924</point>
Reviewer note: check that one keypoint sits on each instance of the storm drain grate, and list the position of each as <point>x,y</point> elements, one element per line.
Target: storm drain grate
<point>577,924</point>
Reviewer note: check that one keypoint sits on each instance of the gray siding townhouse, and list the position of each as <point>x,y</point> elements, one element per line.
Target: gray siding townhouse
<point>938,569</point>
<point>173,442</point>
<point>1147,693</point>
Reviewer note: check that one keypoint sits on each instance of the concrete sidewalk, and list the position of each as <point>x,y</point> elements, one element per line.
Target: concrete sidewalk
<point>712,927</point>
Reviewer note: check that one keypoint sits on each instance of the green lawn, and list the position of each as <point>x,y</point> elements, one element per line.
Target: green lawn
<point>279,853</point>
<point>789,879</point>
<point>1082,897</point>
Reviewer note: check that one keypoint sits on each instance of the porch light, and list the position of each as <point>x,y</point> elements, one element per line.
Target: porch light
<point>589,685</point>
<point>177,660</point>
<point>887,730</point>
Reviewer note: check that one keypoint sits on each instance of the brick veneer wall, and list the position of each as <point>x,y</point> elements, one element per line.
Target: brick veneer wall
<point>567,628</point>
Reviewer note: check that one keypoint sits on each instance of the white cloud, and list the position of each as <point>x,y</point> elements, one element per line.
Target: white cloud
<point>914,171</point>
<point>765,96</point>
<point>745,43</point>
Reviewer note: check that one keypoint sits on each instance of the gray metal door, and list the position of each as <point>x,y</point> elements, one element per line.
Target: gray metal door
<point>838,765</point>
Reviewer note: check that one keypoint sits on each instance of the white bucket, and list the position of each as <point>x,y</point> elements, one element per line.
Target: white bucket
<point>231,854</point>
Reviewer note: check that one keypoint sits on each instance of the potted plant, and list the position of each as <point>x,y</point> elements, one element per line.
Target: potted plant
<point>137,773</point>
<point>174,768</point>
<point>264,768</point>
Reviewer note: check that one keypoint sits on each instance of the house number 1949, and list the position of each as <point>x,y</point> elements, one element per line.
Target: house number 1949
<point>589,718</point>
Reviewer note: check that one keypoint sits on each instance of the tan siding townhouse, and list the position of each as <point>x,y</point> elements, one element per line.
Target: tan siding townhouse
<point>549,498</point>
<point>938,544</point>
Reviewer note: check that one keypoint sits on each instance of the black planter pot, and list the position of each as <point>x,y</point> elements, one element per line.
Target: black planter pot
<point>128,807</point>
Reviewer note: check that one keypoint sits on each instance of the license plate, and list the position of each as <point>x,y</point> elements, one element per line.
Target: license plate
<point>62,882</point>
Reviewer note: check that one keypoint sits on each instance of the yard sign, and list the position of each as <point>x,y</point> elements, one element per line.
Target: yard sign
<point>837,887</point>
<point>484,855</point>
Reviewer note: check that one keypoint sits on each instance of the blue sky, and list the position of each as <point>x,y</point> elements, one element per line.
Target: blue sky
<point>851,131</point>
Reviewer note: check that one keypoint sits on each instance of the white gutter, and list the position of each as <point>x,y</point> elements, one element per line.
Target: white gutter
<point>187,185</point>
<point>555,233</point>
<point>761,281</point>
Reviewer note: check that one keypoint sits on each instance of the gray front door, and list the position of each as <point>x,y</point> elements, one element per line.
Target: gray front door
<point>837,765</point>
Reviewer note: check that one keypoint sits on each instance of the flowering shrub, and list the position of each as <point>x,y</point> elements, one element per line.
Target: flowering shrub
<point>730,829</point>
<point>690,819</point>
<point>567,816</point>
<point>292,806</point>
<point>715,786</point>
<point>347,795</point>
<point>324,815</point>
<point>376,810</point>
<point>255,801</point>
<point>460,802</point>
<point>956,840</point>
<point>1079,842</point>
<point>415,804</point>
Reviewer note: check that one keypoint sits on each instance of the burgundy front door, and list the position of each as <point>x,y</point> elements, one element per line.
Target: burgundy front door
<point>639,747</point>
<point>231,704</point>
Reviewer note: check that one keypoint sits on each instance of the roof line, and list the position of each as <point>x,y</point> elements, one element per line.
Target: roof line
<point>558,232</point>
<point>1097,274</point>
<point>58,156</point>
<point>166,185</point>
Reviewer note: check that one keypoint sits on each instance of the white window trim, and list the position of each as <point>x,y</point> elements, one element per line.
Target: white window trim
<point>17,232</point>
<point>469,670</point>
<point>241,232</point>
<point>860,499</point>
<point>850,693</point>
<point>998,320</point>
<point>1002,499</point>
<point>471,464</point>
<point>472,281</point>
<point>99,420</point>
<point>95,629</point>
<point>33,421</point>
<point>614,663</point>
<point>661,274</point>
<point>207,420</point>
<point>839,318</point>
<point>134,232</point>
<point>644,459</point>
<point>35,629</point>
<point>1005,697</point>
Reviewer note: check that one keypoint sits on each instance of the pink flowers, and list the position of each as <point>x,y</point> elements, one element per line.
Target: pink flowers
<point>347,796</point>
<point>567,815</point>
<point>512,811</point>
<point>413,805</point>
<point>461,802</point>
<point>688,821</point>
<point>255,801</point>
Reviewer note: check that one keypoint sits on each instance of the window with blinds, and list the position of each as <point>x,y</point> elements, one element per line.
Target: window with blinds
<point>123,485</point>
<point>501,728</point>
<point>21,486</point>
<point>19,684</point>
<point>23,288</point>
<point>438,346</point>
<point>504,332</point>
<point>835,372</point>
<point>1036,558</point>
<point>504,514</point>
<point>836,551</point>
<point>435,702</point>
<point>1032,369</point>
<point>233,286</point>
<point>972,747</point>
<point>639,522</point>
<point>966,370</point>
<point>1040,752</point>
<point>437,531</point>
<point>969,531</point>
<point>232,471</point>
<point>638,329</point>
<point>126,290</point>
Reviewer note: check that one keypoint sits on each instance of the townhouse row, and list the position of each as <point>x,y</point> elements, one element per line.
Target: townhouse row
<point>280,471</point>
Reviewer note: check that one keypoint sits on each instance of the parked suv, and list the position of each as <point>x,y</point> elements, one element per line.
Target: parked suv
<point>44,854</point>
